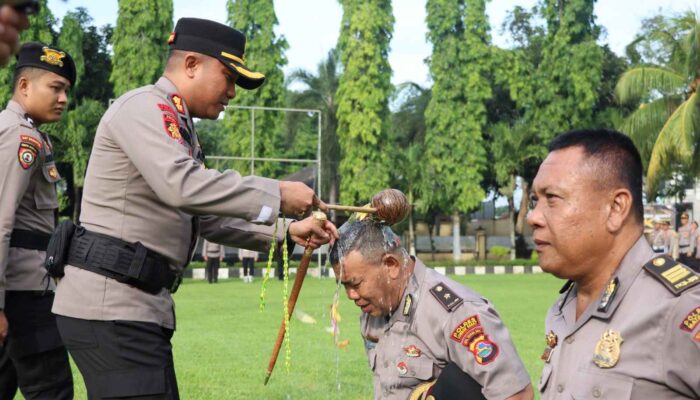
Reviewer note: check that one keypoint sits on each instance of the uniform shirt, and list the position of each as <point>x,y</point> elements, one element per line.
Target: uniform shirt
<point>658,241</point>
<point>29,201</point>
<point>422,336</point>
<point>243,253</point>
<point>685,239</point>
<point>213,250</point>
<point>659,353</point>
<point>144,183</point>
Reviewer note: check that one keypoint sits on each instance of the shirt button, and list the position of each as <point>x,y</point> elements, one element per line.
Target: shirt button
<point>560,388</point>
<point>596,392</point>
<point>569,340</point>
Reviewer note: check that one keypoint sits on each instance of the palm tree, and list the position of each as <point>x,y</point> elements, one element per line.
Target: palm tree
<point>320,93</point>
<point>665,125</point>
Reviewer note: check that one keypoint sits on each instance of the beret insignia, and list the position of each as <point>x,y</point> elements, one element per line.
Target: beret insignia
<point>53,57</point>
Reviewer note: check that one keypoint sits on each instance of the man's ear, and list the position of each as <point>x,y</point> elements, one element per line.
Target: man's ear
<point>620,209</point>
<point>22,86</point>
<point>392,264</point>
<point>192,63</point>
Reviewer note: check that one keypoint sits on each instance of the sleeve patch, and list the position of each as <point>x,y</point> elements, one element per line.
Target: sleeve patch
<point>465,326</point>
<point>28,151</point>
<point>172,127</point>
<point>675,276</point>
<point>478,343</point>
<point>691,321</point>
<point>446,297</point>
<point>166,108</point>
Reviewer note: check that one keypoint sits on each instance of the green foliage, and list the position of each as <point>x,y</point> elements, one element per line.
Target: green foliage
<point>455,156</point>
<point>140,43</point>
<point>363,94</point>
<point>665,123</point>
<point>70,39</point>
<point>264,53</point>
<point>320,93</point>
<point>41,29</point>
<point>499,252</point>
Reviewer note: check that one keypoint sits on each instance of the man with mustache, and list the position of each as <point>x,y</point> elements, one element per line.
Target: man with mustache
<point>627,323</point>
<point>147,198</point>
<point>34,356</point>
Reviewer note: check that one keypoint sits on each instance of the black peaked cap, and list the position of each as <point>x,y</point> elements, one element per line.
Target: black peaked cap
<point>39,55</point>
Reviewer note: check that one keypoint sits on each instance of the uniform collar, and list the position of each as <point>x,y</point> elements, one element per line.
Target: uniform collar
<point>17,108</point>
<point>626,273</point>
<point>170,90</point>
<point>412,289</point>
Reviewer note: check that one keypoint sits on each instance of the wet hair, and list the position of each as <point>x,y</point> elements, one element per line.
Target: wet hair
<point>30,73</point>
<point>617,160</point>
<point>372,239</point>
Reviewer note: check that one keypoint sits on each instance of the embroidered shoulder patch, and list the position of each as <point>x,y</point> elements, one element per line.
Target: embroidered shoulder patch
<point>691,320</point>
<point>28,151</point>
<point>461,330</point>
<point>446,297</point>
<point>177,101</point>
<point>172,127</point>
<point>166,108</point>
<point>675,276</point>
<point>483,349</point>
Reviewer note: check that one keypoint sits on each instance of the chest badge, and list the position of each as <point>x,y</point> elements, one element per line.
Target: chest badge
<point>412,351</point>
<point>608,295</point>
<point>402,368</point>
<point>607,350</point>
<point>551,339</point>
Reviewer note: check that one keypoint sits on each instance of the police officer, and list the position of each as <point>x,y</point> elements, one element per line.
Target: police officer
<point>686,240</point>
<point>213,254</point>
<point>627,323</point>
<point>147,196</point>
<point>425,335</point>
<point>42,78</point>
<point>658,237</point>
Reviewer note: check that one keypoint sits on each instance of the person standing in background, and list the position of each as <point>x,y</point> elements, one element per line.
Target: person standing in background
<point>248,258</point>
<point>213,254</point>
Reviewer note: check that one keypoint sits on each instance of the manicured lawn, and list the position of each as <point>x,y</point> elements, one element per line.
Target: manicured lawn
<point>223,340</point>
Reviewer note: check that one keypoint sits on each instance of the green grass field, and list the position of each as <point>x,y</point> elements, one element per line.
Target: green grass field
<point>223,341</point>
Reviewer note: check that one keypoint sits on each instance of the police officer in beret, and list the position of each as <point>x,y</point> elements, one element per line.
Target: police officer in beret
<point>627,323</point>
<point>35,358</point>
<point>426,336</point>
<point>147,197</point>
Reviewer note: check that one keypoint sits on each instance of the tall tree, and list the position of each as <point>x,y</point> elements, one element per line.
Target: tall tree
<point>363,94</point>
<point>663,87</point>
<point>265,53</point>
<point>140,43</point>
<point>41,29</point>
<point>456,116</point>
<point>320,93</point>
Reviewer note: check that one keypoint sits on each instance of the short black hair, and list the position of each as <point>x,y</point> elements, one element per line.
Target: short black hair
<point>616,152</point>
<point>371,238</point>
<point>29,72</point>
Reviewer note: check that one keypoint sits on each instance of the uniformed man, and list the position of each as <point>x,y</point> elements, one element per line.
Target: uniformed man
<point>686,242</point>
<point>627,325</point>
<point>35,353</point>
<point>147,196</point>
<point>425,335</point>
<point>213,254</point>
<point>658,237</point>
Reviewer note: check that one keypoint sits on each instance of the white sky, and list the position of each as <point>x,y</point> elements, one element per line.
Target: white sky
<point>311,26</point>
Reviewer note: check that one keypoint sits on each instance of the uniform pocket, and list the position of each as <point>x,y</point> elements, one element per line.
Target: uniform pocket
<point>45,196</point>
<point>592,385</point>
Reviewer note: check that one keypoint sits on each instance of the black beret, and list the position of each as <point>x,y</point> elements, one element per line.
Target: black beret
<point>219,41</point>
<point>39,55</point>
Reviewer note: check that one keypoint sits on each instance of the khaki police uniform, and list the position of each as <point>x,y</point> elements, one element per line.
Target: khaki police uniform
<point>214,253</point>
<point>640,340</point>
<point>658,241</point>
<point>28,210</point>
<point>686,243</point>
<point>439,322</point>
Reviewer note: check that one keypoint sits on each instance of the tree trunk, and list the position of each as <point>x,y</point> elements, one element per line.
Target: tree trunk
<point>333,196</point>
<point>411,232</point>
<point>522,213</point>
<point>432,239</point>
<point>511,217</point>
<point>456,248</point>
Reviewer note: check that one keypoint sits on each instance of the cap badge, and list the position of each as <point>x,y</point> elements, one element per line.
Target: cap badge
<point>53,57</point>
<point>171,38</point>
<point>607,350</point>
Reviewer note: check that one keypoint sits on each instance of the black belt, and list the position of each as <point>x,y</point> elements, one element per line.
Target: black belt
<point>32,240</point>
<point>130,263</point>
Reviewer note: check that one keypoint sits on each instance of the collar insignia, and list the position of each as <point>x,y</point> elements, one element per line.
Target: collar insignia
<point>608,295</point>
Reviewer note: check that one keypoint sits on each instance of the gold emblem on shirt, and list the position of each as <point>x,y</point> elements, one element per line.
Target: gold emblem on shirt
<point>607,350</point>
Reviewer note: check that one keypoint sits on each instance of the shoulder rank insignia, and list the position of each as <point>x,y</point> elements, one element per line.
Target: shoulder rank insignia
<point>53,57</point>
<point>29,148</point>
<point>608,295</point>
<point>691,320</point>
<point>177,101</point>
<point>407,305</point>
<point>675,276</point>
<point>446,297</point>
<point>607,350</point>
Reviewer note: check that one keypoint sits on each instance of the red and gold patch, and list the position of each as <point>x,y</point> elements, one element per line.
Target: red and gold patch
<point>463,327</point>
<point>179,105</point>
<point>691,320</point>
<point>28,151</point>
<point>172,127</point>
<point>166,108</point>
<point>697,337</point>
<point>412,351</point>
<point>478,343</point>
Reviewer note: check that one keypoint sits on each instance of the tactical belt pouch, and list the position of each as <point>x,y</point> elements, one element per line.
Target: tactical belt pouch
<point>130,263</point>
<point>57,249</point>
<point>32,240</point>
